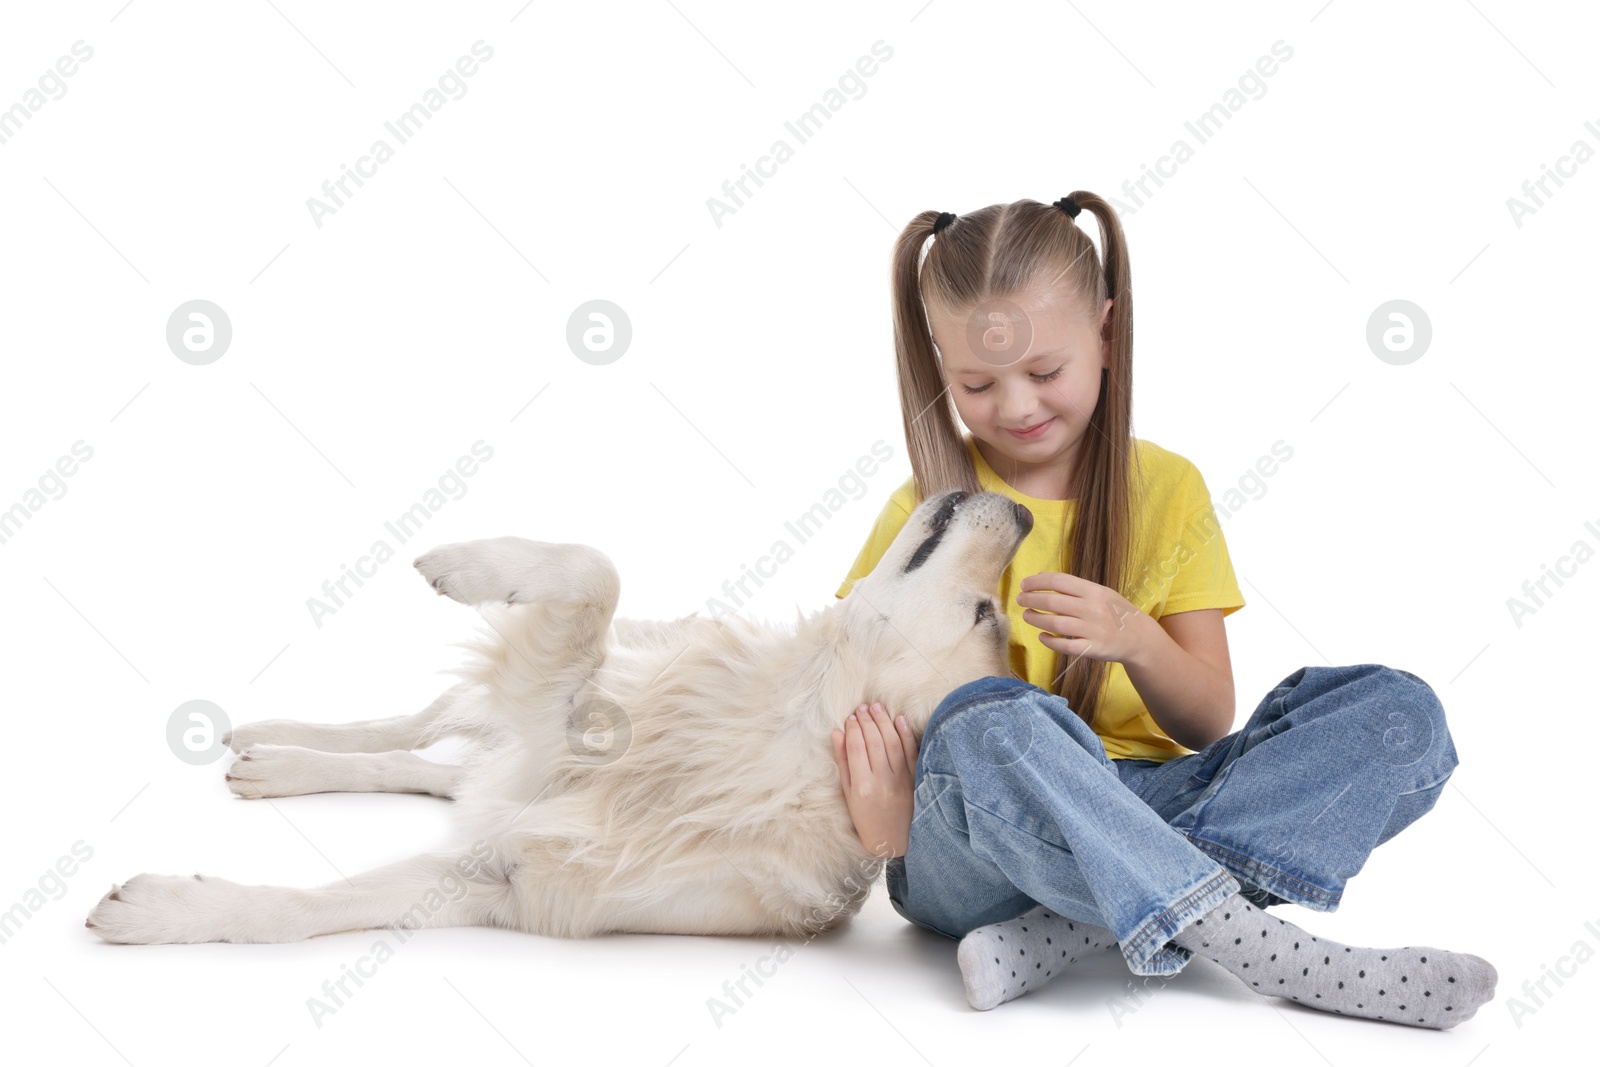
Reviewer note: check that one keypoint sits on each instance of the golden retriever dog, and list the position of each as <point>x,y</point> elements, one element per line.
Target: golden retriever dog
<point>621,776</point>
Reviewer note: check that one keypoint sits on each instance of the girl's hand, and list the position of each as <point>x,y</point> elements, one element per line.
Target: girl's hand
<point>877,763</point>
<point>1083,618</point>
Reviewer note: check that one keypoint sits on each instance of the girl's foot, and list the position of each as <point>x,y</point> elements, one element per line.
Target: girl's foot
<point>1417,986</point>
<point>1002,961</point>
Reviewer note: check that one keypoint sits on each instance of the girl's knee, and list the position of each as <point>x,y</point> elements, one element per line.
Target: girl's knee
<point>977,691</point>
<point>1004,718</point>
<point>1401,721</point>
<point>1418,714</point>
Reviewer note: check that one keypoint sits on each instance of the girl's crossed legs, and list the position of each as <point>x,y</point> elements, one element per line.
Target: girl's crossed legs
<point>1018,808</point>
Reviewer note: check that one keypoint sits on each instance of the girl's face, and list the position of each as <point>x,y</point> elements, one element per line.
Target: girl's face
<point>1031,363</point>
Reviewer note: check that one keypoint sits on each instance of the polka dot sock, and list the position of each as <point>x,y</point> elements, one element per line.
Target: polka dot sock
<point>1002,961</point>
<point>1417,986</point>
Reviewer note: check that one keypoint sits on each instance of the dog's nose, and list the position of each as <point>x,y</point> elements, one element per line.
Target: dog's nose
<point>1024,517</point>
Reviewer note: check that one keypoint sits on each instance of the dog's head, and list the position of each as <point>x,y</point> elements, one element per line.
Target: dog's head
<point>928,617</point>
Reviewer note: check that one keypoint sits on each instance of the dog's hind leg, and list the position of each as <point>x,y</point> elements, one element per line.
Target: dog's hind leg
<point>400,733</point>
<point>466,888</point>
<point>291,771</point>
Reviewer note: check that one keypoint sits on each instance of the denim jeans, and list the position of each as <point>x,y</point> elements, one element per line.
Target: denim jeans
<point>1016,805</point>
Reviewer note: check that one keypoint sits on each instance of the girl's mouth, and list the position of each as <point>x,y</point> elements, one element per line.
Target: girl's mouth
<point>1028,435</point>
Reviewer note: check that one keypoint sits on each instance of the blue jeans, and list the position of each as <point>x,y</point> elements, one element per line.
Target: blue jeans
<point>1017,805</point>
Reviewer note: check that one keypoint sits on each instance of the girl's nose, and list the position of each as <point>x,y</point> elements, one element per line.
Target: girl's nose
<point>1019,411</point>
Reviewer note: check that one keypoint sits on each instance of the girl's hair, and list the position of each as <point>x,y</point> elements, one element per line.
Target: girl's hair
<point>1005,251</point>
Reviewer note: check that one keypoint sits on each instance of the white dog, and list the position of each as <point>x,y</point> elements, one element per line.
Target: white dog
<point>627,776</point>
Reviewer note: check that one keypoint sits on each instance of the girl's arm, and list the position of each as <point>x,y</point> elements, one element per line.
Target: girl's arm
<point>1182,672</point>
<point>1178,664</point>
<point>877,763</point>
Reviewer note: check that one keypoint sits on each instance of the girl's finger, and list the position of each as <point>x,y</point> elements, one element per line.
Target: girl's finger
<point>1055,622</point>
<point>1057,582</point>
<point>888,738</point>
<point>872,742</point>
<point>855,744</point>
<point>908,740</point>
<point>1055,603</point>
<point>839,758</point>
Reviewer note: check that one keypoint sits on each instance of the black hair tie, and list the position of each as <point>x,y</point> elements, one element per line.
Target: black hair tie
<point>944,219</point>
<point>1069,205</point>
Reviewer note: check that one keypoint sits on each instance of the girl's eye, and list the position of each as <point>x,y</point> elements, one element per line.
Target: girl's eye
<point>1052,376</point>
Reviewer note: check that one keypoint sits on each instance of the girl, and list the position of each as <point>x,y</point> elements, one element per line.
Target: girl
<point>1062,810</point>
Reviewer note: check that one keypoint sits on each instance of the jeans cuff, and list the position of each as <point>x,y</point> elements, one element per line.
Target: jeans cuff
<point>1284,886</point>
<point>1147,950</point>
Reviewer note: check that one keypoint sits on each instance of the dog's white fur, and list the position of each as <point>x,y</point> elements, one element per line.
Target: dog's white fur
<point>628,776</point>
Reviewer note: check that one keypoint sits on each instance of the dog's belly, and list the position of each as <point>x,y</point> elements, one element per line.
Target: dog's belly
<point>673,788</point>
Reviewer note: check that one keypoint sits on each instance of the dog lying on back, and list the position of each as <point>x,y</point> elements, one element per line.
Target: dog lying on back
<point>624,776</point>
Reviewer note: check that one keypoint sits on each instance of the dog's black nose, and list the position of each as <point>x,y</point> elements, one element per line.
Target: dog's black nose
<point>1024,517</point>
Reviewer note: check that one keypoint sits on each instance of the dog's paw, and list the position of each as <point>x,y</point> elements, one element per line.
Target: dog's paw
<point>473,572</point>
<point>270,771</point>
<point>161,909</point>
<point>265,732</point>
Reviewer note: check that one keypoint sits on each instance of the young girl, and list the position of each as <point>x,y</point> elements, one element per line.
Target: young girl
<point>1062,810</point>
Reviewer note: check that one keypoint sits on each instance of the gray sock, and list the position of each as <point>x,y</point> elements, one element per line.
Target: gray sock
<point>1415,985</point>
<point>1002,961</point>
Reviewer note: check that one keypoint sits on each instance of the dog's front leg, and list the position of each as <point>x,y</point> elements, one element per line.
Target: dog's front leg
<point>400,733</point>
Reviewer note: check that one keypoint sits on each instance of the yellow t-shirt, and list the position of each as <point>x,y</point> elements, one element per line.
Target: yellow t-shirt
<point>1184,566</point>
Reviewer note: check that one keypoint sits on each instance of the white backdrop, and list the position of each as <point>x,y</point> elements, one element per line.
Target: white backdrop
<point>376,339</point>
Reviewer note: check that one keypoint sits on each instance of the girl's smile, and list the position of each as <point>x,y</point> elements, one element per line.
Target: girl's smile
<point>1034,432</point>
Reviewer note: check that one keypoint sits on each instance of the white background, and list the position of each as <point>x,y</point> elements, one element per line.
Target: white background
<point>430,311</point>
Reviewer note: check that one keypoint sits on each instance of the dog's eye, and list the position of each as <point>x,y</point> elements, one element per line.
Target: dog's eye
<point>985,611</point>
